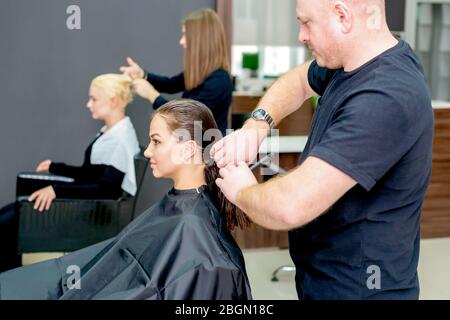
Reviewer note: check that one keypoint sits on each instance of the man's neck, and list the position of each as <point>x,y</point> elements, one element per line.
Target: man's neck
<point>373,47</point>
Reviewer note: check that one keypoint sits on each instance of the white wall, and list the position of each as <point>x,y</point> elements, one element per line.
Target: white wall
<point>265,22</point>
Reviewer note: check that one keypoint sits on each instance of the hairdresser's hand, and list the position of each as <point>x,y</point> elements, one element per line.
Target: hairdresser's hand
<point>43,198</point>
<point>239,146</point>
<point>234,179</point>
<point>145,90</point>
<point>44,166</point>
<point>133,70</point>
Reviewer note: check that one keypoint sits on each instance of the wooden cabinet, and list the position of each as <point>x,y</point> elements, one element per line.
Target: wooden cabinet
<point>436,208</point>
<point>296,124</point>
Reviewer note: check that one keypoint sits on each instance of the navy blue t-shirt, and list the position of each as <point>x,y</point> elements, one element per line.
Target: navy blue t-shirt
<point>376,125</point>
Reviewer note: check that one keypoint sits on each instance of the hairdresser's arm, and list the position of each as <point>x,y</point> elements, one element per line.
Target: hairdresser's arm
<point>144,89</point>
<point>149,86</point>
<point>287,202</point>
<point>284,97</point>
<point>165,84</point>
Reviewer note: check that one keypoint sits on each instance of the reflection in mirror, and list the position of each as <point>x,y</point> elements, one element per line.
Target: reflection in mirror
<point>265,42</point>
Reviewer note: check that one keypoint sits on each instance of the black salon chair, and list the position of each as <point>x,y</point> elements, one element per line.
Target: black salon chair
<point>72,224</point>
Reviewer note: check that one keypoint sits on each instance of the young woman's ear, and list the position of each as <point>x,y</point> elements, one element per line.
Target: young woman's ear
<point>190,150</point>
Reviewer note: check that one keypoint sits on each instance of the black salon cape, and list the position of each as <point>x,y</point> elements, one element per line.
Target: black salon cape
<point>177,249</point>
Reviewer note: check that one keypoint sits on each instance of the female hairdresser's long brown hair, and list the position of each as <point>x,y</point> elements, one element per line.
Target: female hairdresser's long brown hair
<point>189,116</point>
<point>207,50</point>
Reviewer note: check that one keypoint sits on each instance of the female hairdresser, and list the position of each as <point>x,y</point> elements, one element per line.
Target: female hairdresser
<point>206,75</point>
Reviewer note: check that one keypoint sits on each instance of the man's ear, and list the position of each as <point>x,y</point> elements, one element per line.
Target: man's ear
<point>344,15</point>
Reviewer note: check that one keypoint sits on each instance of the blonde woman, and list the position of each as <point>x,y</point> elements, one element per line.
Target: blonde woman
<point>206,75</point>
<point>108,167</point>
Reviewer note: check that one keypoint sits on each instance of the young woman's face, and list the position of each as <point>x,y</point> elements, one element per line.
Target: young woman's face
<point>183,37</point>
<point>166,154</point>
<point>99,104</point>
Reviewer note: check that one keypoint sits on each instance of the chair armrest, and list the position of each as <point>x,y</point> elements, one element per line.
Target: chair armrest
<point>29,182</point>
<point>70,200</point>
<point>44,176</point>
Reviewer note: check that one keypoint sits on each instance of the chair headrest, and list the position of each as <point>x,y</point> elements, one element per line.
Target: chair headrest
<point>140,165</point>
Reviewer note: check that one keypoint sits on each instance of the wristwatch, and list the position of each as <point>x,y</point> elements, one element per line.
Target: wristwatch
<point>261,114</point>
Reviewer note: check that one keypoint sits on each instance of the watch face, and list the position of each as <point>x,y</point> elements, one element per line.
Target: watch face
<point>259,114</point>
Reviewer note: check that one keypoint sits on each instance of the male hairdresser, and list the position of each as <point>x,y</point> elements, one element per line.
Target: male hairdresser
<point>353,204</point>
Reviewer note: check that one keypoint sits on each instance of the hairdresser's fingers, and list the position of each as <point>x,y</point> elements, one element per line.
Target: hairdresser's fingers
<point>242,164</point>
<point>238,155</point>
<point>125,70</point>
<point>216,147</point>
<point>138,71</point>
<point>229,159</point>
<point>231,149</point>
<point>223,172</point>
<point>131,62</point>
<point>219,183</point>
<point>220,158</point>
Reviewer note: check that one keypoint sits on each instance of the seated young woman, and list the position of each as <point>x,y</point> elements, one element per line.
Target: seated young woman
<point>108,168</point>
<point>180,248</point>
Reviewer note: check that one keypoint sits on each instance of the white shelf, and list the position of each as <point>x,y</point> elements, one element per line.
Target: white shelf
<point>441,104</point>
<point>283,144</point>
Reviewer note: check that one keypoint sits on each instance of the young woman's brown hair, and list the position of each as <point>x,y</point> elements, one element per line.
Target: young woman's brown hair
<point>207,50</point>
<point>194,117</point>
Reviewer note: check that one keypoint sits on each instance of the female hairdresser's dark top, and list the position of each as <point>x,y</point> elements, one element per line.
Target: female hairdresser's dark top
<point>215,92</point>
<point>91,181</point>
<point>376,125</point>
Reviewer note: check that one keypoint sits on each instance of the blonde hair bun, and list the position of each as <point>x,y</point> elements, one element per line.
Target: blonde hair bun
<point>115,85</point>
